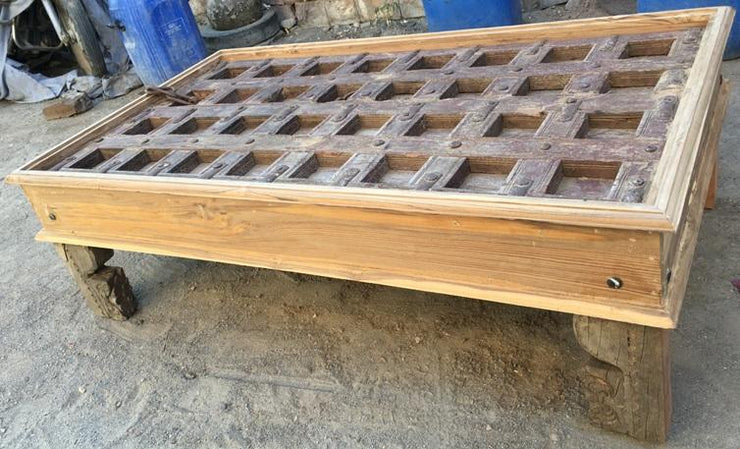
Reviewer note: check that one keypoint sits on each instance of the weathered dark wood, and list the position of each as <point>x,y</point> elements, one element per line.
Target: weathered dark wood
<point>579,118</point>
<point>106,289</point>
<point>627,382</point>
<point>69,104</point>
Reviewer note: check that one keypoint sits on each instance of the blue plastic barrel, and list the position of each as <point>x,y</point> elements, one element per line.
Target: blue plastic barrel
<point>445,15</point>
<point>160,36</point>
<point>732,50</point>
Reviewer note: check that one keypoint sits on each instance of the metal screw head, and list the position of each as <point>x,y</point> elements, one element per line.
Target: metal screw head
<point>502,87</point>
<point>448,72</point>
<point>379,142</point>
<point>430,90</point>
<point>595,65</point>
<point>163,164</point>
<point>584,85</point>
<point>614,282</point>
<point>217,165</point>
<point>52,216</point>
<point>455,144</point>
<point>637,182</point>
<point>523,182</point>
<point>516,69</point>
<point>248,141</point>
<point>144,141</point>
<point>545,146</point>
<point>332,77</point>
<point>570,100</point>
<point>652,148</point>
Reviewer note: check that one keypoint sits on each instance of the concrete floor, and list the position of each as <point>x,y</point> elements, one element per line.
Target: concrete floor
<point>226,356</point>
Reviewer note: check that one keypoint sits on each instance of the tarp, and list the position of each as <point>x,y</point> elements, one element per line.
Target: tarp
<point>18,84</point>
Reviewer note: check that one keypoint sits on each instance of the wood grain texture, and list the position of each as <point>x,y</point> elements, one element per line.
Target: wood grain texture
<point>583,28</point>
<point>545,266</point>
<point>628,382</point>
<point>714,179</point>
<point>678,248</point>
<point>653,214</point>
<point>106,289</point>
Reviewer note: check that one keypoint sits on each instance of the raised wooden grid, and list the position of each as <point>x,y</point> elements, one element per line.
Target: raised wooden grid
<point>572,119</point>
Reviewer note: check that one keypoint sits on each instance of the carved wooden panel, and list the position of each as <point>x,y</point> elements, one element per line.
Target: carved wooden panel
<point>580,119</point>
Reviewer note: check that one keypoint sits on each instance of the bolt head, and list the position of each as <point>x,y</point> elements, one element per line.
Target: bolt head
<point>52,216</point>
<point>379,142</point>
<point>614,283</point>
<point>545,146</point>
<point>652,148</point>
<point>455,144</point>
<point>432,177</point>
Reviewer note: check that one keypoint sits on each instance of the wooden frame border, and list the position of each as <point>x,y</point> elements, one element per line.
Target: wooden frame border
<point>665,201</point>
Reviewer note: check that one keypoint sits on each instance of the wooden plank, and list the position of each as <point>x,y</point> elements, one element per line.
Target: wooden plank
<point>586,28</point>
<point>574,212</point>
<point>546,266</point>
<point>681,246</point>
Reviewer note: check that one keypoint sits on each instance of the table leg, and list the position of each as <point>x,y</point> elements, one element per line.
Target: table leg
<point>627,382</point>
<point>106,289</point>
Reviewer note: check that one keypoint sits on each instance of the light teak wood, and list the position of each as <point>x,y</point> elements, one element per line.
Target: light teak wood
<point>628,381</point>
<point>106,289</point>
<point>560,166</point>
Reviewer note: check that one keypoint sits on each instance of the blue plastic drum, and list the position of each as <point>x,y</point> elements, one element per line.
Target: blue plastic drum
<point>160,36</point>
<point>445,15</point>
<point>732,50</point>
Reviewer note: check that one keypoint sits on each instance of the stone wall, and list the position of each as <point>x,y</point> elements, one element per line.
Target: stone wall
<point>335,12</point>
<point>321,13</point>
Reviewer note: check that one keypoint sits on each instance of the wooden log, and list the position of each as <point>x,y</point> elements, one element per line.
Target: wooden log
<point>71,103</point>
<point>628,381</point>
<point>106,289</point>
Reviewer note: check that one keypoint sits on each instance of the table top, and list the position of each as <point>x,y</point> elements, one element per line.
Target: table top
<point>598,121</point>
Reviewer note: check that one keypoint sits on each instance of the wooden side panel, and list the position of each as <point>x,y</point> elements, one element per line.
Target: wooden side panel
<point>539,265</point>
<point>679,248</point>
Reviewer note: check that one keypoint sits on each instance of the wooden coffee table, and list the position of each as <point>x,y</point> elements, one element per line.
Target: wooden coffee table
<point>561,166</point>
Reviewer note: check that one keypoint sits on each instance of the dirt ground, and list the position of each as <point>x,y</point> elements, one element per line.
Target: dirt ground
<point>228,356</point>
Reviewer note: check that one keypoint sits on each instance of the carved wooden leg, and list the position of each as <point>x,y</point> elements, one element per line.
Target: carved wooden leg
<point>628,382</point>
<point>106,289</point>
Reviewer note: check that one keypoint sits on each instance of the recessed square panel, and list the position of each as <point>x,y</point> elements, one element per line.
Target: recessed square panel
<point>567,53</point>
